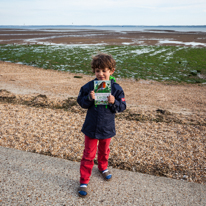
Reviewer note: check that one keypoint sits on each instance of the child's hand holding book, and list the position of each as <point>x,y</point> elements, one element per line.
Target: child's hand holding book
<point>111,99</point>
<point>92,94</point>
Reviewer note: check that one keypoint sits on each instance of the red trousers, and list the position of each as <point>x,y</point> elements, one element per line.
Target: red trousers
<point>89,154</point>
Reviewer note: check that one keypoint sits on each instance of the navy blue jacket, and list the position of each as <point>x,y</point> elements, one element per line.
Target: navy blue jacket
<point>99,122</point>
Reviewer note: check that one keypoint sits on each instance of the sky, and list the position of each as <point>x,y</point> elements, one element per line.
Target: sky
<point>103,12</point>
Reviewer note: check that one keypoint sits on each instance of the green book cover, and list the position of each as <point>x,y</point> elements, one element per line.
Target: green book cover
<point>102,91</point>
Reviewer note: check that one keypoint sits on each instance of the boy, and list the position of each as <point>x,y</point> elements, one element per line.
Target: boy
<point>99,122</point>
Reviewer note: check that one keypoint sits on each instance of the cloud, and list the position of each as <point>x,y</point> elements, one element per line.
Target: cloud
<point>101,12</point>
<point>99,4</point>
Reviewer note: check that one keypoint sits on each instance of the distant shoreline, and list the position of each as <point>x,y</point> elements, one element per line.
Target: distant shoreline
<point>177,28</point>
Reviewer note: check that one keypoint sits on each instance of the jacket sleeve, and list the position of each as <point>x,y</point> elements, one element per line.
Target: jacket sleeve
<point>84,99</point>
<point>119,104</point>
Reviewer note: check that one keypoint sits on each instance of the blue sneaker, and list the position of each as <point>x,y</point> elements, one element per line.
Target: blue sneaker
<point>106,174</point>
<point>82,190</point>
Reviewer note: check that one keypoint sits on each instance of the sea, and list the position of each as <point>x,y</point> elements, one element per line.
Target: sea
<point>117,28</point>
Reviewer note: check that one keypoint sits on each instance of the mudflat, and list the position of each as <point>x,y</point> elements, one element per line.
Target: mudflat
<point>104,37</point>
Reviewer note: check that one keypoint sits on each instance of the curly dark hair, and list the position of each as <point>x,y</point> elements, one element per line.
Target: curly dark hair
<point>102,61</point>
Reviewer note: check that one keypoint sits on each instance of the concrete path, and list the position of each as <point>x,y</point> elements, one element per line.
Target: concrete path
<point>34,179</point>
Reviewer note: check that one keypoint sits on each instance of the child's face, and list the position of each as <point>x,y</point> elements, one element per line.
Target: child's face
<point>103,74</point>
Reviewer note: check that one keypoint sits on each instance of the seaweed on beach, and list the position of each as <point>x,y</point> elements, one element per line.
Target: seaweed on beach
<point>159,63</point>
<point>42,101</point>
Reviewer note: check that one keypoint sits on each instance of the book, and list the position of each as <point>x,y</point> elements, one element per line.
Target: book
<point>102,89</point>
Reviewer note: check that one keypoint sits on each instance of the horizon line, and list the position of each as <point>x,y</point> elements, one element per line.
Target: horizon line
<point>100,25</point>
